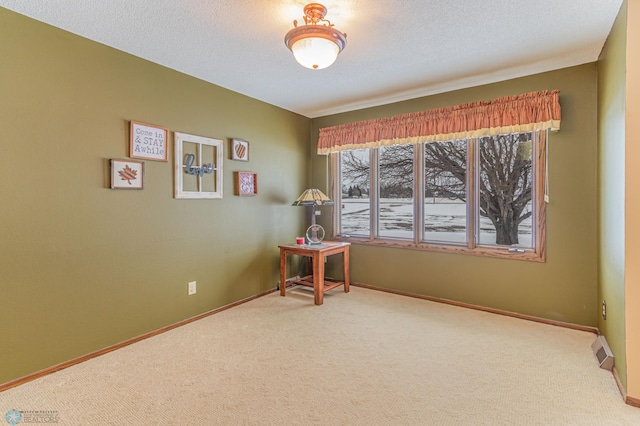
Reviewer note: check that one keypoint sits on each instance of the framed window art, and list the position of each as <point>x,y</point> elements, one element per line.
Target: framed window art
<point>197,167</point>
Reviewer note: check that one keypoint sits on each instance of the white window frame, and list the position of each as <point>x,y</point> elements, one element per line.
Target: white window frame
<point>538,251</point>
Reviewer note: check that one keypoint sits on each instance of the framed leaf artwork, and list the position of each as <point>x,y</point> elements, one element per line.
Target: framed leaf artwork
<point>127,174</point>
<point>239,150</point>
<point>246,183</point>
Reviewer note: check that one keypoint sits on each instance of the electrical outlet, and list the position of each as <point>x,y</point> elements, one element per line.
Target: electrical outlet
<point>192,288</point>
<point>318,213</point>
<point>604,310</point>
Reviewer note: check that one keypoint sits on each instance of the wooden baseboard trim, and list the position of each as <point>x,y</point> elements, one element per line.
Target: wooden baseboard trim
<point>72,362</point>
<point>482,308</point>
<point>634,402</point>
<point>621,388</point>
<point>629,400</point>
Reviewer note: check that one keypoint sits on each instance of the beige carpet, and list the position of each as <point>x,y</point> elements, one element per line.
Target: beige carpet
<point>363,358</point>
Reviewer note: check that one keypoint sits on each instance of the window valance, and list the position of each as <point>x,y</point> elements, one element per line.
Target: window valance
<point>511,114</point>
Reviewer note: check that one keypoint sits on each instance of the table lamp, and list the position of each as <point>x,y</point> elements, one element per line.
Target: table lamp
<point>314,198</point>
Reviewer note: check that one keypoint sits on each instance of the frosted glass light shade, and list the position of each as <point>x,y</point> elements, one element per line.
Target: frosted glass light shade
<point>315,53</point>
<point>316,44</point>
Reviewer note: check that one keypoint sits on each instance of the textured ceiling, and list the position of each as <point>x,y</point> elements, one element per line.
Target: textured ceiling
<point>396,49</point>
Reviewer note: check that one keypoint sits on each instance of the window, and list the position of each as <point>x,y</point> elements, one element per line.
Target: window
<point>355,204</point>
<point>476,196</point>
<point>445,195</point>
<point>395,192</point>
<point>505,190</point>
<point>469,178</point>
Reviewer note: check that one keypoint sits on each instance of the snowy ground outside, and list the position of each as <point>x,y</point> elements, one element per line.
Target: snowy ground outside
<point>445,220</point>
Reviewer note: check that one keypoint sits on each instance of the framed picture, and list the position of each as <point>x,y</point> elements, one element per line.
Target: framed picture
<point>127,174</point>
<point>246,183</point>
<point>197,167</point>
<point>148,142</point>
<point>239,150</point>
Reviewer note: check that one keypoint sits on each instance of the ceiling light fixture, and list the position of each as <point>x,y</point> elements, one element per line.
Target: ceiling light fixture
<point>316,44</point>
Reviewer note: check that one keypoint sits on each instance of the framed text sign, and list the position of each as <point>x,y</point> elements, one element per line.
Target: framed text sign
<point>148,141</point>
<point>197,167</point>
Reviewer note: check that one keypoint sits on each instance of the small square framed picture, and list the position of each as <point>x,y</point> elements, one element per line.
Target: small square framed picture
<point>127,174</point>
<point>246,183</point>
<point>239,150</point>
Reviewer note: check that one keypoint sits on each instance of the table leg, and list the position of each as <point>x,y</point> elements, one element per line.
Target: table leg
<point>318,278</point>
<point>346,269</point>
<point>283,272</point>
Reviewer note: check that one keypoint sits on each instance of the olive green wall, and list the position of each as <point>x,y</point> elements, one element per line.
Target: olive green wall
<point>565,287</point>
<point>611,182</point>
<point>83,266</point>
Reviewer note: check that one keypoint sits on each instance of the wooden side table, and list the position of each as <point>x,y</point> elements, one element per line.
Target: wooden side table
<point>317,253</point>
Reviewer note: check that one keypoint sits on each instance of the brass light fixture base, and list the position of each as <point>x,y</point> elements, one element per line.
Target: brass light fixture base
<point>314,12</point>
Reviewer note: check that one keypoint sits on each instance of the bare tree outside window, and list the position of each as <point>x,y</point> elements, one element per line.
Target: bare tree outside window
<point>445,191</point>
<point>504,175</point>
<point>395,217</point>
<point>355,178</point>
<point>505,181</point>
